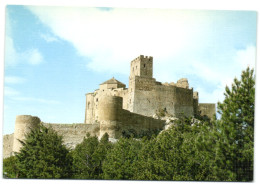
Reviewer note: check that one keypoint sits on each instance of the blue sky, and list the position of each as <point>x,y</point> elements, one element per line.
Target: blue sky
<point>54,55</point>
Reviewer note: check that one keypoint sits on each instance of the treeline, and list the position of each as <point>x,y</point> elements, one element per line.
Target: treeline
<point>203,150</point>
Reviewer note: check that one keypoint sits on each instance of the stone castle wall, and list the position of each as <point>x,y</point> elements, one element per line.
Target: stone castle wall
<point>23,125</point>
<point>73,134</point>
<point>146,96</point>
<point>207,109</point>
<point>8,145</point>
<point>92,102</point>
<point>115,120</point>
<point>149,96</point>
<point>196,102</point>
<point>115,109</point>
<point>184,102</point>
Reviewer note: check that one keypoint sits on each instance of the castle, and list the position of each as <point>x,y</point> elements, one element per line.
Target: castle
<point>115,109</point>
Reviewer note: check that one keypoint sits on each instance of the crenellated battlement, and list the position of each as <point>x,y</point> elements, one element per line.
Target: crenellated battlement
<point>150,58</point>
<point>142,57</point>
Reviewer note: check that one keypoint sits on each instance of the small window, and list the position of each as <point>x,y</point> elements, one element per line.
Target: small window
<point>97,100</point>
<point>144,65</point>
<point>135,67</point>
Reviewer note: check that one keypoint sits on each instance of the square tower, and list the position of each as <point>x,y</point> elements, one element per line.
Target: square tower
<point>140,79</point>
<point>142,66</point>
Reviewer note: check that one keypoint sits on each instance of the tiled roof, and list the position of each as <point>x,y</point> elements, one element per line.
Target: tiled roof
<point>112,81</point>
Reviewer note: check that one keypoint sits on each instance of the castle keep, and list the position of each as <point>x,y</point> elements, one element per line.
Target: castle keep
<point>115,109</point>
<point>146,96</point>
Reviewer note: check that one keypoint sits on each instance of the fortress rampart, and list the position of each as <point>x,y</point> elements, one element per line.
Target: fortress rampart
<point>73,134</point>
<point>113,119</point>
<point>115,109</point>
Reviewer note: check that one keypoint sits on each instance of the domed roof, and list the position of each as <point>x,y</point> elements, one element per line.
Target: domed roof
<point>112,81</point>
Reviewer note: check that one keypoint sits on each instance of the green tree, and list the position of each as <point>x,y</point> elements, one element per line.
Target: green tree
<point>213,150</point>
<point>88,157</point>
<point>183,152</point>
<point>201,142</point>
<point>100,154</point>
<point>235,148</point>
<point>43,155</point>
<point>119,161</point>
<point>10,169</point>
<point>150,165</point>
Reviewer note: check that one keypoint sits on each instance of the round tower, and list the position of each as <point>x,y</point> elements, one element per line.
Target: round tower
<point>109,114</point>
<point>23,125</point>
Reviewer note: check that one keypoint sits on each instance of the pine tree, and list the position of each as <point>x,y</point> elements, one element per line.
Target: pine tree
<point>43,155</point>
<point>100,154</point>
<point>236,129</point>
<point>10,169</point>
<point>119,160</point>
<point>183,152</point>
<point>88,157</point>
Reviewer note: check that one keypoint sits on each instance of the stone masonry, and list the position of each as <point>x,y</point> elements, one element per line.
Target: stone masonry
<point>145,96</point>
<point>115,109</point>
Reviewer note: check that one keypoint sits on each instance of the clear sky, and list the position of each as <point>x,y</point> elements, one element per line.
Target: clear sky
<point>55,55</point>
